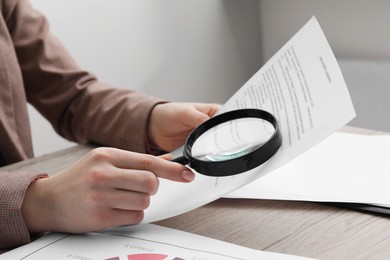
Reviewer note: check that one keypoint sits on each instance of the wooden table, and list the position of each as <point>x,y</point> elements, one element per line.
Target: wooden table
<point>298,228</point>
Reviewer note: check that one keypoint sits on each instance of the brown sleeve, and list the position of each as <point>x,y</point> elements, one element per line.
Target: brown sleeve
<point>79,107</point>
<point>13,187</point>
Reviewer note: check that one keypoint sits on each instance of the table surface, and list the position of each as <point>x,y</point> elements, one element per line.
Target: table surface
<point>299,228</point>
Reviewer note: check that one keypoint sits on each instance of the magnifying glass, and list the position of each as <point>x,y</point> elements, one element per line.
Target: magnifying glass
<point>231,143</point>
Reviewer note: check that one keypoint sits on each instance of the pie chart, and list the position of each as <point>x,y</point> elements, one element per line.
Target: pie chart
<point>148,257</point>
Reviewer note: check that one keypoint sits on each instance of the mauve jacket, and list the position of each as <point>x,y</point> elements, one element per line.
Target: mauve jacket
<point>36,68</point>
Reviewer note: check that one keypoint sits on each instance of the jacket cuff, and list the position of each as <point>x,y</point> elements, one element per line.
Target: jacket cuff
<point>13,188</point>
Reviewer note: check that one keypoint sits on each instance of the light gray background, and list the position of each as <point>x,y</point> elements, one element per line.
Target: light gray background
<point>204,50</point>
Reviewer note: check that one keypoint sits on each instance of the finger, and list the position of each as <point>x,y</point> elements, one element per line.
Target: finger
<point>167,169</point>
<point>126,200</point>
<point>191,118</point>
<point>133,180</point>
<point>162,168</point>
<point>198,114</point>
<point>209,109</point>
<point>113,217</point>
<point>126,217</point>
<point>144,162</point>
<point>166,156</point>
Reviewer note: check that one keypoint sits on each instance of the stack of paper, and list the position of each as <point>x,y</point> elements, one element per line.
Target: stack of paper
<point>343,168</point>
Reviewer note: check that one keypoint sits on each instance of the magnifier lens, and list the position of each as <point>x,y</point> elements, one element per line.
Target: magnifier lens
<point>231,143</point>
<point>232,139</point>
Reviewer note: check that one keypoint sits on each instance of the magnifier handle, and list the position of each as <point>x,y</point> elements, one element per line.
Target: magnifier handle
<point>181,160</point>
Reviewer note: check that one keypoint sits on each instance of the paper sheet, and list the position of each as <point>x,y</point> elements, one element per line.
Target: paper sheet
<point>143,242</point>
<point>343,168</point>
<point>303,87</point>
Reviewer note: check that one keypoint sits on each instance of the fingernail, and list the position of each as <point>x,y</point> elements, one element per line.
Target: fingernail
<point>188,175</point>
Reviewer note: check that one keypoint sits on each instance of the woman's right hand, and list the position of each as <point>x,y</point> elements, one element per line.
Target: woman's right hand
<point>106,188</point>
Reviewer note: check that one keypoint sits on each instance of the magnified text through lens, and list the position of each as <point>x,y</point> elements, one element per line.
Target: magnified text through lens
<point>232,139</point>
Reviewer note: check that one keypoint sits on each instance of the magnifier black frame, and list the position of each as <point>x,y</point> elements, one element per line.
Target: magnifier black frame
<point>236,165</point>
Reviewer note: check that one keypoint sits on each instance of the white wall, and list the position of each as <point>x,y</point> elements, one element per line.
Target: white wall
<point>357,29</point>
<point>359,34</point>
<point>204,50</point>
<point>193,50</point>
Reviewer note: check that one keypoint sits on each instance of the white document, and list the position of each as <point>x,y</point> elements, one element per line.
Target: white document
<point>142,242</point>
<point>303,87</point>
<point>343,168</point>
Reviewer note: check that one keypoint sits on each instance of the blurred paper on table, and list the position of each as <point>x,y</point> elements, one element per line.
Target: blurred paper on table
<point>139,243</point>
<point>343,168</point>
<point>302,86</point>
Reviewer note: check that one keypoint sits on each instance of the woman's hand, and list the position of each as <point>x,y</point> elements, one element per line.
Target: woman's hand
<point>171,123</point>
<point>106,188</point>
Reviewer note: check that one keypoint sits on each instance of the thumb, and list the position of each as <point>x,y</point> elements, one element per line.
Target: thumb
<point>193,118</point>
<point>197,113</point>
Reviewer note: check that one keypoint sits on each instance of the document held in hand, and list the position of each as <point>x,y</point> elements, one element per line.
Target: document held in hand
<point>302,86</point>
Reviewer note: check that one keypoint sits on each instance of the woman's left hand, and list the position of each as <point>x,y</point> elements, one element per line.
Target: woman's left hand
<point>171,123</point>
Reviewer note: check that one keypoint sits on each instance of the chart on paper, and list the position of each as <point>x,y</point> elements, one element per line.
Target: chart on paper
<point>147,257</point>
<point>95,246</point>
<point>140,242</point>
